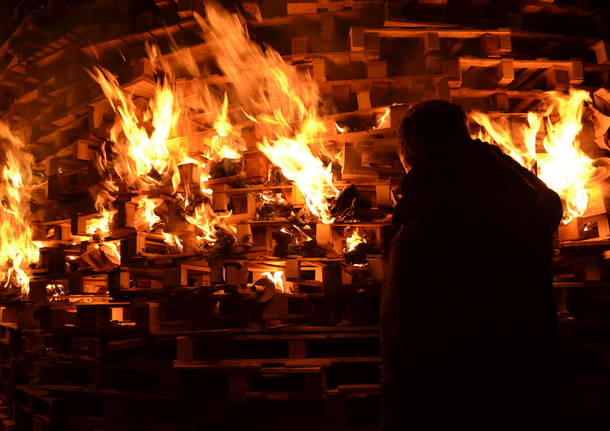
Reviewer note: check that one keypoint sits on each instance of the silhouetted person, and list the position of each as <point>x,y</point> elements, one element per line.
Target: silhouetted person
<point>468,321</point>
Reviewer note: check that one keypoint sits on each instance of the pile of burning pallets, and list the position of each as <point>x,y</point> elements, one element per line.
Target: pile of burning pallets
<point>238,273</point>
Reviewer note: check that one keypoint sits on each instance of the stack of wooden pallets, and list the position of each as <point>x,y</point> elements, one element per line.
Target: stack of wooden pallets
<point>170,340</point>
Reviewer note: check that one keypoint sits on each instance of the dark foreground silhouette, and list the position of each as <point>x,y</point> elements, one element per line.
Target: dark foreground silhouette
<point>468,322</point>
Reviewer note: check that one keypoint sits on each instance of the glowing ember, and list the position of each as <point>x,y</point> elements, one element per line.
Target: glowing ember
<point>17,250</point>
<point>278,279</point>
<point>564,167</point>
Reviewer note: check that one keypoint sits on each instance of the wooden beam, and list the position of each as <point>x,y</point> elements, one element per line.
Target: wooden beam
<point>505,73</point>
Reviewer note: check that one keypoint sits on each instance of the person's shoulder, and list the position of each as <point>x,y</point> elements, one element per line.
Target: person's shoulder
<point>487,147</point>
<point>495,157</point>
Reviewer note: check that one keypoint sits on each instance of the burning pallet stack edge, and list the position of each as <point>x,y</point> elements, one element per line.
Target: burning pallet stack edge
<point>232,338</point>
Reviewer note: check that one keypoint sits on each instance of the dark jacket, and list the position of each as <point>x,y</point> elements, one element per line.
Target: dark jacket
<point>468,319</point>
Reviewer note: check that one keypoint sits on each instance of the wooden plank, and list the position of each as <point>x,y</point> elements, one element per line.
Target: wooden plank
<point>442,33</point>
<point>431,43</point>
<point>602,52</point>
<point>299,46</point>
<point>505,73</point>
<point>377,69</point>
<point>299,8</point>
<point>356,38</point>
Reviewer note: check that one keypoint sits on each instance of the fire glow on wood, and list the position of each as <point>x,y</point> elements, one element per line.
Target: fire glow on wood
<point>164,153</point>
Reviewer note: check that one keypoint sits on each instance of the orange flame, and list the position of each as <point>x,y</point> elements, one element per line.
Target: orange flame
<point>383,120</point>
<point>208,222</point>
<point>149,139</point>
<point>101,225</point>
<point>149,150</point>
<point>278,279</point>
<point>564,167</point>
<point>227,144</point>
<point>354,240</point>
<point>145,213</point>
<point>307,171</point>
<point>140,154</point>
<point>172,240</point>
<point>498,133</point>
<point>17,250</point>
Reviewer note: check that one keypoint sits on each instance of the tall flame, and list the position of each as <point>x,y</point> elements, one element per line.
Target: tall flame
<point>148,148</point>
<point>140,154</point>
<point>148,136</point>
<point>564,167</point>
<point>283,103</point>
<point>17,250</point>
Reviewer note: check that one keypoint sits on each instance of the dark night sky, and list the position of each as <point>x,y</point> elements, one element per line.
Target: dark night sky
<point>13,11</point>
<point>6,18</point>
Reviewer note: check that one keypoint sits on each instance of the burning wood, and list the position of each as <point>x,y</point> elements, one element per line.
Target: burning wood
<point>274,206</point>
<point>344,207</point>
<point>56,292</point>
<point>173,241</point>
<point>149,156</point>
<point>209,167</point>
<point>282,102</point>
<point>278,279</point>
<point>356,248</point>
<point>349,206</point>
<point>194,189</point>
<point>100,257</point>
<point>17,250</point>
<point>297,241</point>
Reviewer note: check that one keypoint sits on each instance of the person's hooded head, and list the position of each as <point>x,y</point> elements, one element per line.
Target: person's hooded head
<point>434,129</point>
